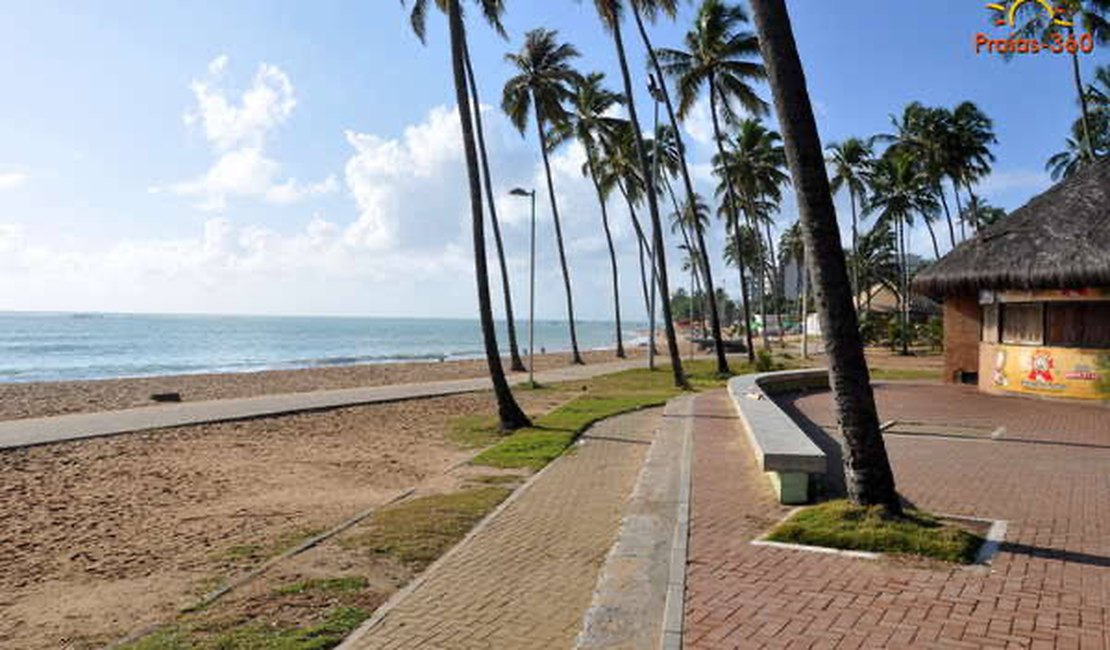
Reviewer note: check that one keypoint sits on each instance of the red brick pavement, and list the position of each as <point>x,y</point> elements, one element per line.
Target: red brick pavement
<point>1048,588</point>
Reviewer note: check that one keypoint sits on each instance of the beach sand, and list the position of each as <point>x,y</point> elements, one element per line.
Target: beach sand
<point>103,537</point>
<point>56,398</point>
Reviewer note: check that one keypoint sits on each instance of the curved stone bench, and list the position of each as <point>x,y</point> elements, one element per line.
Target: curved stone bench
<point>783,450</point>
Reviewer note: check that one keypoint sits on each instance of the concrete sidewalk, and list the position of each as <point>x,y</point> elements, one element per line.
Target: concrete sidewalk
<point>525,577</point>
<point>38,431</point>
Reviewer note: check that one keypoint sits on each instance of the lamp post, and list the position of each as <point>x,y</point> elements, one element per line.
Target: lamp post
<point>531,287</point>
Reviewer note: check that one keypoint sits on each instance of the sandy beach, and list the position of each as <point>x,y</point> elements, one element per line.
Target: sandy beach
<point>55,398</point>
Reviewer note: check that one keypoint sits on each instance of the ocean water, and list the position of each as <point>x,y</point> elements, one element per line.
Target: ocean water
<point>62,346</point>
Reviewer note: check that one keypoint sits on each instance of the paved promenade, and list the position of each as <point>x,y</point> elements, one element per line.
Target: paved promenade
<point>1047,473</point>
<point>526,577</point>
<point>38,431</point>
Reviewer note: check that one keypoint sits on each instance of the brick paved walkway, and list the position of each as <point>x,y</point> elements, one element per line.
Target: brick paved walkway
<point>1048,588</point>
<point>526,579</point>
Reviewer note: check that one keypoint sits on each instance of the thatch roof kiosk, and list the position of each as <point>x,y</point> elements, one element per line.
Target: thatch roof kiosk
<point>1027,301</point>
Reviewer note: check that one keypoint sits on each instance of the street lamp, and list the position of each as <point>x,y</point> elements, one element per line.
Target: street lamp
<point>518,191</point>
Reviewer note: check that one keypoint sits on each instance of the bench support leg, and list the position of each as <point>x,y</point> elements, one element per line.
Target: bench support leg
<point>792,488</point>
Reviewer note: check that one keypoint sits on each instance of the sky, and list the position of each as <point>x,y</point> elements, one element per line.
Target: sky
<point>287,157</point>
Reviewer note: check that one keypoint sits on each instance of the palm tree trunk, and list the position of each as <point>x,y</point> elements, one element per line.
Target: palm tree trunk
<point>855,248</point>
<point>906,284</point>
<point>691,197</point>
<point>1085,115</point>
<point>947,215</point>
<point>730,201</point>
<point>577,358</point>
<point>509,412</point>
<point>959,209</point>
<point>778,293</point>
<point>653,208</point>
<point>642,241</point>
<point>932,235</point>
<point>612,253</point>
<point>974,206</point>
<point>514,353</point>
<point>867,467</point>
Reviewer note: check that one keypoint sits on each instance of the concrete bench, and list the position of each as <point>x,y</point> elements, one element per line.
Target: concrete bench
<point>783,450</point>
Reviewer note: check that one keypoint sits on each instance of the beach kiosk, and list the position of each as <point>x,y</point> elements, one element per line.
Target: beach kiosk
<point>1027,300</point>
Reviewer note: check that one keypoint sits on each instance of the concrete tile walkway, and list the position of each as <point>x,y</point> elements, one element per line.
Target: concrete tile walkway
<point>1049,587</point>
<point>525,578</point>
<point>38,431</point>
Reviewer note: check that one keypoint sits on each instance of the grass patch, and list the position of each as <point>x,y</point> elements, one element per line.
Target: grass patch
<point>252,553</point>
<point>599,398</point>
<point>934,374</point>
<point>841,524</point>
<point>330,585</point>
<point>472,431</point>
<point>417,532</point>
<point>336,625</point>
<point>497,479</point>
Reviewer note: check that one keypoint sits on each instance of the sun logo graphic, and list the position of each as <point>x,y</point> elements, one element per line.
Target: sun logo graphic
<point>1056,25</point>
<point>1007,15</point>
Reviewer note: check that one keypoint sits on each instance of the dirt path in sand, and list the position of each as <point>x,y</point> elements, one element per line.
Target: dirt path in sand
<point>104,536</point>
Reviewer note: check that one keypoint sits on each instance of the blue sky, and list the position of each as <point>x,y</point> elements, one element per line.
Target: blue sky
<point>302,158</point>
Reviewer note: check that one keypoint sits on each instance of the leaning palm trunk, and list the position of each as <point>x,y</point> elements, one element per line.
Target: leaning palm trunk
<point>730,201</point>
<point>577,358</point>
<point>659,253</point>
<point>855,248</point>
<point>641,240</point>
<point>905,278</point>
<point>514,353</point>
<point>1088,148</point>
<point>947,214</point>
<point>868,476</point>
<point>612,252</point>
<point>509,412</point>
<point>691,197</point>
<point>932,235</point>
<point>959,209</point>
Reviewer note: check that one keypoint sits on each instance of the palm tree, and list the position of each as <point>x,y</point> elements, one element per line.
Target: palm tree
<point>878,262</point>
<point>689,219</point>
<point>898,191</point>
<point>510,414</point>
<point>610,13</point>
<point>924,134</point>
<point>588,124</point>
<point>719,56</point>
<point>969,155</point>
<point>753,166</point>
<point>1093,17</point>
<point>652,8</point>
<point>617,168</point>
<point>516,364</point>
<point>543,83</point>
<point>984,213</point>
<point>1063,164</point>
<point>850,161</point>
<point>868,476</point>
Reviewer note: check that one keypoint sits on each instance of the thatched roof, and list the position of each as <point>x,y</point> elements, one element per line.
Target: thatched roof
<point>1059,240</point>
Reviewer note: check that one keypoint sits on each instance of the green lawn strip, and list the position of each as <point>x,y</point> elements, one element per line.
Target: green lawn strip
<point>255,635</point>
<point>418,531</point>
<point>600,398</point>
<point>841,524</point>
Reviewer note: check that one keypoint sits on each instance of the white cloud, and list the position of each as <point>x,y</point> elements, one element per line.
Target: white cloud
<point>237,131</point>
<point>12,180</point>
<point>268,103</point>
<point>405,249</point>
